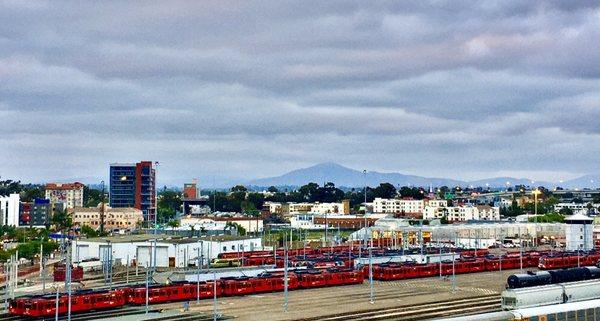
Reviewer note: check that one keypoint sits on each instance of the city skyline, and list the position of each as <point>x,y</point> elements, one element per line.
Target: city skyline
<point>216,89</point>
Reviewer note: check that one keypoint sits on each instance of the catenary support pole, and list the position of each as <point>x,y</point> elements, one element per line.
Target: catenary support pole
<point>215,303</point>
<point>147,296</point>
<point>371,294</point>
<point>198,277</point>
<point>68,277</point>
<point>285,274</point>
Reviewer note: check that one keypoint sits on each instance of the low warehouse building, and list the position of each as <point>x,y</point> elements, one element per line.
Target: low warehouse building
<point>170,251</point>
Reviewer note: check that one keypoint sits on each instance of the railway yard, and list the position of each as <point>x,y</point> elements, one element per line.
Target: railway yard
<point>414,299</point>
<point>400,291</point>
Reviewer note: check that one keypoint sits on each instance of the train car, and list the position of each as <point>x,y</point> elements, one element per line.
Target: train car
<point>516,281</point>
<point>43,306</point>
<point>233,286</point>
<point>581,291</point>
<point>570,275</point>
<point>228,262</point>
<point>257,260</point>
<point>179,291</point>
<point>268,282</point>
<point>17,306</point>
<point>60,273</point>
<point>532,296</point>
<point>335,277</point>
<point>310,279</point>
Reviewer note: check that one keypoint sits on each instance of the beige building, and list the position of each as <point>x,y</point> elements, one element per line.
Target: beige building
<point>123,218</point>
<point>287,209</point>
<point>463,213</point>
<point>69,194</point>
<point>397,206</point>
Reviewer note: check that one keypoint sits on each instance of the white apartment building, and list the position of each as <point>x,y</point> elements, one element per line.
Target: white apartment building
<point>69,194</point>
<point>462,213</point>
<point>397,206</point>
<point>9,209</point>
<point>318,208</point>
<point>331,208</point>
<point>437,203</point>
<point>575,207</point>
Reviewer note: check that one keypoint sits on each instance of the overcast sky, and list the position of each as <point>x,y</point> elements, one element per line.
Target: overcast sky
<point>251,89</point>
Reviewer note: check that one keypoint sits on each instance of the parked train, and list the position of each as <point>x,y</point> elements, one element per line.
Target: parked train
<point>550,294</point>
<point>399,271</point>
<point>569,259</point>
<point>45,305</point>
<point>530,279</point>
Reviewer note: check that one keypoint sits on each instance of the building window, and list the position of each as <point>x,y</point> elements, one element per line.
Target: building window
<point>224,248</point>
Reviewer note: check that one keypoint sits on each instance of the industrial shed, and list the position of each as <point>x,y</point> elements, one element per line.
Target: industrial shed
<point>170,251</point>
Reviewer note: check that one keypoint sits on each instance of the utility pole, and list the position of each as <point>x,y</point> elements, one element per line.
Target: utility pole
<point>6,283</point>
<point>147,290</point>
<point>56,305</point>
<point>453,267</point>
<point>215,304</point>
<point>102,209</point>
<point>285,273</point>
<point>440,258</point>
<point>198,280</point>
<point>127,270</point>
<point>68,277</point>
<point>371,298</point>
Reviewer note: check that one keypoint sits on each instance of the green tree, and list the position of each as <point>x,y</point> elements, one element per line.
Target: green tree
<point>240,229</point>
<point>385,190</point>
<point>239,188</point>
<point>91,197</point>
<point>88,231</point>
<point>31,192</point>
<point>62,220</point>
<point>273,189</point>
<point>309,191</point>
<point>169,202</point>
<point>257,200</point>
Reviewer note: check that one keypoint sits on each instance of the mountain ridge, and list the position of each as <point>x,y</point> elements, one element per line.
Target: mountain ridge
<point>344,176</point>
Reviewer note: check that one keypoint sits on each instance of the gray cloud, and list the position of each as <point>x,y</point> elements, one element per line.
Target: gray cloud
<point>246,89</point>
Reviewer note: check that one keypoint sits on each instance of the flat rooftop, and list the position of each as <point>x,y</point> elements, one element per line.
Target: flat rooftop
<point>164,238</point>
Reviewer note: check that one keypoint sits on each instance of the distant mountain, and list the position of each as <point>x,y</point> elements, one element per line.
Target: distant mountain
<point>592,181</point>
<point>344,176</point>
<point>501,182</point>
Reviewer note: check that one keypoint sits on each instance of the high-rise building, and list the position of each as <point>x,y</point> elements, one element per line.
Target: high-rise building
<point>9,210</point>
<point>133,185</point>
<point>40,212</point>
<point>69,194</point>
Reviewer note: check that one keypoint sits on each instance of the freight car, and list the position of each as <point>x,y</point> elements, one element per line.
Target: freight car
<point>550,294</point>
<point>552,277</point>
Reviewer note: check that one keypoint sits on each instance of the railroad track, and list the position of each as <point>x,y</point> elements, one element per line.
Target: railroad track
<point>466,306</point>
<point>189,317</point>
